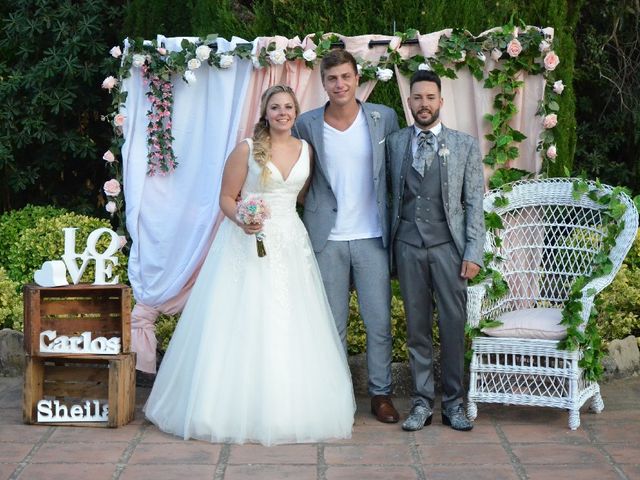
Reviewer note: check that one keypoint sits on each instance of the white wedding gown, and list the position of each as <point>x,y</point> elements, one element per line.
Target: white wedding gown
<point>256,356</point>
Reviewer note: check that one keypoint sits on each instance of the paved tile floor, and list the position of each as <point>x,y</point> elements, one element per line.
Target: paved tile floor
<point>506,443</point>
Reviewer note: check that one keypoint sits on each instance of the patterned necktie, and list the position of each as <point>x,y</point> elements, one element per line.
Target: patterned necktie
<point>425,153</point>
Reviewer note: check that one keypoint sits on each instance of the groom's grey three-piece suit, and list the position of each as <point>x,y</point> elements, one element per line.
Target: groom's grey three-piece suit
<point>437,221</point>
<point>366,260</point>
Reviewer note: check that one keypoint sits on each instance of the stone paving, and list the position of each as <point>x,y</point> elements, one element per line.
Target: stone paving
<point>506,443</point>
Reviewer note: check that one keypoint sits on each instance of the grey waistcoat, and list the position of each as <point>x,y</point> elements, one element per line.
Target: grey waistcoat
<point>422,218</point>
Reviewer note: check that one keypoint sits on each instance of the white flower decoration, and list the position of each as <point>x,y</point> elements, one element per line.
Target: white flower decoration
<point>309,55</point>
<point>137,60</point>
<point>384,74</point>
<point>375,115</point>
<point>277,56</point>
<point>443,151</point>
<point>496,53</point>
<point>481,56</point>
<point>203,52</point>
<point>425,66</point>
<point>193,64</point>
<point>190,77</point>
<point>558,87</point>
<point>226,60</point>
<point>115,52</point>
<point>544,46</point>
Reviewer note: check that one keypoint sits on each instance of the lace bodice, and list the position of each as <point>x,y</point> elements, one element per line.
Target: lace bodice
<point>279,193</point>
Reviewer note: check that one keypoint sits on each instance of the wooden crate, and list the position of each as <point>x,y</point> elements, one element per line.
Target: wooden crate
<point>73,380</point>
<point>103,310</point>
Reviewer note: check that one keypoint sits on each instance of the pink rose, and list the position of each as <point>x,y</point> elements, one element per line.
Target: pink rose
<point>109,82</point>
<point>119,119</point>
<point>558,87</point>
<point>551,60</point>
<point>112,187</point>
<point>552,152</point>
<point>115,52</point>
<point>514,48</point>
<point>109,156</point>
<point>550,121</point>
<point>111,207</point>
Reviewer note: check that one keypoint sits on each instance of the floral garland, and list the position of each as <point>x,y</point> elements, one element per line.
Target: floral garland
<point>514,48</point>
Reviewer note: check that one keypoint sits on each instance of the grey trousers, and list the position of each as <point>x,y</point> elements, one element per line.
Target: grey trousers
<point>367,262</point>
<point>423,274</point>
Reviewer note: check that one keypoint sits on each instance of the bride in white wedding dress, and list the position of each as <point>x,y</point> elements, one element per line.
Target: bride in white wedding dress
<point>256,356</point>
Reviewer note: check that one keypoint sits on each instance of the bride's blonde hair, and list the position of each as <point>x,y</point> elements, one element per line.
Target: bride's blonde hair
<point>261,137</point>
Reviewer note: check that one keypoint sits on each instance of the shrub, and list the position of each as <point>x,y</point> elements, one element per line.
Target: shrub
<point>45,241</point>
<point>618,305</point>
<point>165,325</point>
<point>13,223</point>
<point>11,314</point>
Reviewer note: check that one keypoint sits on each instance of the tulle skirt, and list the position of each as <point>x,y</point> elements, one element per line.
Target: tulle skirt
<point>256,356</point>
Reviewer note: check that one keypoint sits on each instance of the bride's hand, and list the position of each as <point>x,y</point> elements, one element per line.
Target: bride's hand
<point>251,228</point>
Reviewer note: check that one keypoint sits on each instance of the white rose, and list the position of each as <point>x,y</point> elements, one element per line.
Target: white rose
<point>558,87</point>
<point>496,53</point>
<point>190,77</point>
<point>193,64</point>
<point>109,82</point>
<point>384,74</point>
<point>226,60</point>
<point>425,66</point>
<point>277,56</point>
<point>115,52</point>
<point>544,46</point>
<point>137,60</point>
<point>203,52</point>
<point>309,55</point>
<point>111,207</point>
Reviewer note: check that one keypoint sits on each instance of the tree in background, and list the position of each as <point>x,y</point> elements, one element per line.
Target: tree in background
<point>53,58</point>
<point>608,92</point>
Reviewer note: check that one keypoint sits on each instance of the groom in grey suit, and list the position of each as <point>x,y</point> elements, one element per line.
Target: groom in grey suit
<point>437,235</point>
<point>345,212</point>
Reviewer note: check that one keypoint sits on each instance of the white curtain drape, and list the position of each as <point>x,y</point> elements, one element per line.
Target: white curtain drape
<point>170,218</point>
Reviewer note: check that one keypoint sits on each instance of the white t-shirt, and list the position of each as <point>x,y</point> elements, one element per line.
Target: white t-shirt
<point>349,165</point>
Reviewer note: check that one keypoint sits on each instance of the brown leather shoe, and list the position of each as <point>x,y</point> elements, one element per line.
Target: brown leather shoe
<point>382,407</point>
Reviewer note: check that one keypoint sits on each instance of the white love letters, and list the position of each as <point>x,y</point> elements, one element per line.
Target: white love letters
<point>81,344</point>
<point>50,275</point>
<point>89,411</point>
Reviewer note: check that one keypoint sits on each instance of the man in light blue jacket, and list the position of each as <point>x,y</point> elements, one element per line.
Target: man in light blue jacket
<point>346,213</point>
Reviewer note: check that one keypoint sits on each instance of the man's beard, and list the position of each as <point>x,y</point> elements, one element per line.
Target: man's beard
<point>429,121</point>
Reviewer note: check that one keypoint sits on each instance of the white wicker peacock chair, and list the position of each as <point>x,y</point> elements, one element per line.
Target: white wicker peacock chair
<point>548,240</point>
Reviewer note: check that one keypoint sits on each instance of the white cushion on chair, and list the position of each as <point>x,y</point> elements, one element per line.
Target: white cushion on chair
<point>539,323</point>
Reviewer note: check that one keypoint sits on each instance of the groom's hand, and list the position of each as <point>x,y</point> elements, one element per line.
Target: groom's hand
<point>469,270</point>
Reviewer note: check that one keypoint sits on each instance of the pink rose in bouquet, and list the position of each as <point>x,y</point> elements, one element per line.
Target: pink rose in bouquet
<point>254,210</point>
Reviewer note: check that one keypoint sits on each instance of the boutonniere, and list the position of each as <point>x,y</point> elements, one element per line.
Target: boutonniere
<point>443,151</point>
<point>376,116</point>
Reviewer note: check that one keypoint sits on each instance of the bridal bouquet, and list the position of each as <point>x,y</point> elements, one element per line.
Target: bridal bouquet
<point>254,210</point>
